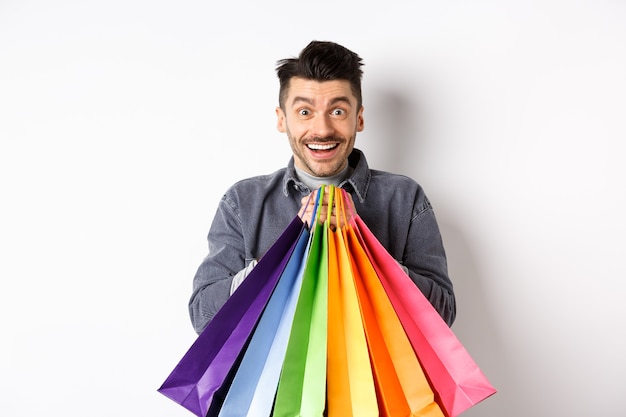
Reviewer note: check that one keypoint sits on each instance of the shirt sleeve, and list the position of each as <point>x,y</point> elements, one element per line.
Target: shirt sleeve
<point>241,275</point>
<point>425,260</point>
<point>226,258</point>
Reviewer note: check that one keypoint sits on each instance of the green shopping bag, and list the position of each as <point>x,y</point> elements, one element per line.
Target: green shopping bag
<point>302,385</point>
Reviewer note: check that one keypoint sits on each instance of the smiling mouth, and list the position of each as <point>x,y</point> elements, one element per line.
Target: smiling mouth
<point>321,146</point>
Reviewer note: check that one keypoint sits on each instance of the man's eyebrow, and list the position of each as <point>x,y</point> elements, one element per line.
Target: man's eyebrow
<point>298,99</point>
<point>341,99</point>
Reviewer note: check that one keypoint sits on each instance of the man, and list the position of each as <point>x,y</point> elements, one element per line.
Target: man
<point>320,110</point>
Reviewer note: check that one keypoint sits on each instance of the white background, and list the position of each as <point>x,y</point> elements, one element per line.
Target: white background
<point>122,122</point>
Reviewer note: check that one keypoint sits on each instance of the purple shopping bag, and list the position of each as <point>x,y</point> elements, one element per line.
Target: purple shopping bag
<point>208,363</point>
<point>254,384</point>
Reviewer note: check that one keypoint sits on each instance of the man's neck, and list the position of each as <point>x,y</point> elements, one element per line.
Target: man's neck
<point>314,182</point>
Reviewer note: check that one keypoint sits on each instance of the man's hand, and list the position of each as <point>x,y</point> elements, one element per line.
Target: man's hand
<point>340,214</point>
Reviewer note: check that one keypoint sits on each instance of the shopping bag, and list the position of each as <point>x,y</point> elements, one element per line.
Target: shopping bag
<point>351,390</point>
<point>254,385</point>
<point>457,381</point>
<point>402,387</point>
<point>208,364</point>
<point>302,385</point>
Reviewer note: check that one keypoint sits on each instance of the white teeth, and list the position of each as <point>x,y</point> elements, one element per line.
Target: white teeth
<point>320,147</point>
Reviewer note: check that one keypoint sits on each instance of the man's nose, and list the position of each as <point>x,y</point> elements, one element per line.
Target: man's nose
<point>323,126</point>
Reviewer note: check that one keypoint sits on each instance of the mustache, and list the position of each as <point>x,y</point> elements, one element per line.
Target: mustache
<point>319,139</point>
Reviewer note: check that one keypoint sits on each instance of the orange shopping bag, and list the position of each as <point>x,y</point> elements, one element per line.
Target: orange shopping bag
<point>350,383</point>
<point>402,387</point>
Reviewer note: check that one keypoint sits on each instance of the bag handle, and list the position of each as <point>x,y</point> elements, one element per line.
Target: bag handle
<point>346,204</point>
<point>315,215</point>
<point>335,202</point>
<point>317,212</point>
<point>331,202</point>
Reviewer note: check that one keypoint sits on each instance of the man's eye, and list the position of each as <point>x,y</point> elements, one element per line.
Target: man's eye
<point>338,112</point>
<point>304,112</point>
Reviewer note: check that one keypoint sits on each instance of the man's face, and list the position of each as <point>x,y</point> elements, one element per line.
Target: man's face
<point>321,120</point>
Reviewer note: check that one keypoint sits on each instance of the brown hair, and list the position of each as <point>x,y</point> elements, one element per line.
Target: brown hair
<point>321,61</point>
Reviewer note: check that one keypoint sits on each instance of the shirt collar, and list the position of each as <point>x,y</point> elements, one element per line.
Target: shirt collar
<point>359,180</point>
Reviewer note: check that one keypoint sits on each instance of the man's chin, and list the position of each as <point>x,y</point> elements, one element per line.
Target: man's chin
<point>323,172</point>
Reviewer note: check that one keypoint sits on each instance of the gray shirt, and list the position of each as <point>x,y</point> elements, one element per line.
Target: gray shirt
<point>253,213</point>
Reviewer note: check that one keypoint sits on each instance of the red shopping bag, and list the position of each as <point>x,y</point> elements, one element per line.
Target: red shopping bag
<point>402,386</point>
<point>455,378</point>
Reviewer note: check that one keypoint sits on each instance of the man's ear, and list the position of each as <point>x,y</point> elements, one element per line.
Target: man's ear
<point>360,124</point>
<point>281,123</point>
